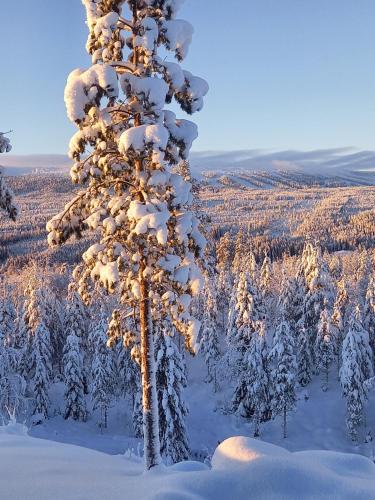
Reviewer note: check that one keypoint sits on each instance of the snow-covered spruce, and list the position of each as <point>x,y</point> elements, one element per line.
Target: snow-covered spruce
<point>77,323</point>
<point>324,345</point>
<point>75,405</point>
<point>225,279</point>
<point>209,343</point>
<point>265,276</point>
<point>339,319</point>
<point>356,324</point>
<point>291,301</point>
<point>283,374</point>
<point>102,371</point>
<point>6,195</point>
<point>369,313</point>
<point>123,152</point>
<point>245,312</point>
<point>42,374</point>
<point>171,380</point>
<point>304,357</point>
<point>352,375</point>
<point>253,391</point>
<point>12,385</point>
<point>318,292</point>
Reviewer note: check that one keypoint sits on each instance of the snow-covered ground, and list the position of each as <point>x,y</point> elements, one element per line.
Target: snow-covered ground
<point>317,423</point>
<point>242,468</point>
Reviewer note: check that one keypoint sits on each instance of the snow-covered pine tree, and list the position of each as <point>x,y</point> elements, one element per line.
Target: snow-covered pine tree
<point>102,370</point>
<point>138,415</point>
<point>307,262</point>
<point>256,383</point>
<point>123,153</point>
<point>324,345</point>
<point>369,313</point>
<point>288,300</point>
<point>304,357</point>
<point>74,395</point>
<point>240,251</point>
<point>7,319</point>
<point>77,323</point>
<point>42,361</point>
<point>284,372</point>
<point>338,322</point>
<point>318,293</point>
<point>54,318</point>
<point>225,279</point>
<point>128,373</point>
<point>171,380</point>
<point>12,385</point>
<point>355,324</point>
<point>265,276</point>
<point>353,380</point>
<point>363,273</point>
<point>241,321</point>
<point>6,195</point>
<point>246,318</point>
<point>209,343</point>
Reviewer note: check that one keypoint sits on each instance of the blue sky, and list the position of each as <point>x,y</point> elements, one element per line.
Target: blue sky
<point>284,74</point>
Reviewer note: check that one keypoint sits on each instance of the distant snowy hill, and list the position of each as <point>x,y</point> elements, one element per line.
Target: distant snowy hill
<point>247,168</point>
<point>325,161</point>
<point>24,164</point>
<point>242,468</point>
<point>266,170</point>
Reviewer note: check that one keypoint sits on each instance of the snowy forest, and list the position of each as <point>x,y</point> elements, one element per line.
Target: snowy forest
<point>152,313</point>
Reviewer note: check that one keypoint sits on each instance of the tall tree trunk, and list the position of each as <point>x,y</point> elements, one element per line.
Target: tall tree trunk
<point>149,395</point>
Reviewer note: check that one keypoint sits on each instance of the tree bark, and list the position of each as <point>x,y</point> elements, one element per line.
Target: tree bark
<point>149,395</point>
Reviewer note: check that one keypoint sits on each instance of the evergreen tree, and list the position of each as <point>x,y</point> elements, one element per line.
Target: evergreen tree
<point>129,377</point>
<point>243,317</point>
<point>338,322</point>
<point>7,320</point>
<point>209,345</point>
<point>363,273</point>
<point>225,278</point>
<point>355,324</point>
<point>265,276</point>
<point>352,381</point>
<point>6,195</point>
<point>290,302</point>
<point>75,405</point>
<point>324,345</point>
<point>284,371</point>
<point>255,383</point>
<point>319,293</point>
<point>369,314</point>
<point>171,380</point>
<point>138,415</point>
<point>43,370</point>
<point>304,358</point>
<point>102,370</point>
<point>123,153</point>
<point>77,323</point>
<point>239,252</point>
<point>12,385</point>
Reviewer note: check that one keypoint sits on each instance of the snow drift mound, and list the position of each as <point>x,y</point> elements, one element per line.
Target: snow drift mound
<point>242,468</point>
<point>267,471</point>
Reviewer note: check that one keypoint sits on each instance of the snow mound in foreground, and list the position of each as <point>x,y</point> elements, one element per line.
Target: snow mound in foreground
<point>242,468</point>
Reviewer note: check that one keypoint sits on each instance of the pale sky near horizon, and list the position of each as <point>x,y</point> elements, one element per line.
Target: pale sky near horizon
<point>290,74</point>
